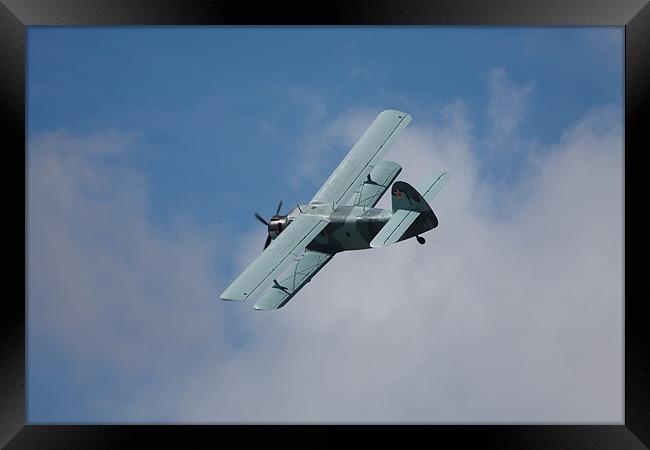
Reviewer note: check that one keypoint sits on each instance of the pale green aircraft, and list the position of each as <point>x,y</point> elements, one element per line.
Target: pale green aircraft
<point>340,217</point>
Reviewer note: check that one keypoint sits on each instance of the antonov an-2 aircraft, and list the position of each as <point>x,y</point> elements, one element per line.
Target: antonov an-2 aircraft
<point>340,217</point>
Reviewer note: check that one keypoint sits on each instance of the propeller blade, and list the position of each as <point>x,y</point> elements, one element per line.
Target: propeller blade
<point>268,241</point>
<point>279,206</point>
<point>261,219</point>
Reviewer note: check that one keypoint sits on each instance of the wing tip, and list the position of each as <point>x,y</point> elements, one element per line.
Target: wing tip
<point>259,306</point>
<point>228,297</point>
<point>400,114</point>
<point>267,305</point>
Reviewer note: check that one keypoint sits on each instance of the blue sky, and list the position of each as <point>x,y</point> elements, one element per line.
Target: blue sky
<point>185,132</point>
<point>204,97</point>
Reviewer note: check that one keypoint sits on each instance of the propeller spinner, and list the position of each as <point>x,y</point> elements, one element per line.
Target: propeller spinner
<point>275,225</point>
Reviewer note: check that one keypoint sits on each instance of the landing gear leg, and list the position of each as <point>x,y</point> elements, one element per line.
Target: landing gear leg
<point>420,239</point>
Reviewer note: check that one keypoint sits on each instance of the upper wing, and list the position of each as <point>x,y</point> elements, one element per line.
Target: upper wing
<point>370,191</point>
<point>292,280</point>
<point>362,158</point>
<point>271,262</point>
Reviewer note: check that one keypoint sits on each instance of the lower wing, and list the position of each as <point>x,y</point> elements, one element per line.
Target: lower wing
<point>292,280</point>
<point>290,244</point>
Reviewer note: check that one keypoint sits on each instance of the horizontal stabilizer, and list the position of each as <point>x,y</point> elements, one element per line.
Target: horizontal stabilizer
<point>431,185</point>
<point>394,228</point>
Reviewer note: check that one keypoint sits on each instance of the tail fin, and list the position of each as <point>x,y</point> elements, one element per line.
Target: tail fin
<point>406,197</point>
<point>410,206</point>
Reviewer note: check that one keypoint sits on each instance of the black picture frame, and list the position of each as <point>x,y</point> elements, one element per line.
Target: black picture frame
<point>17,15</point>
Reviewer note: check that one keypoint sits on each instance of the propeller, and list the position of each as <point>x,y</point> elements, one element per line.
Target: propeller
<point>261,219</point>
<point>268,224</point>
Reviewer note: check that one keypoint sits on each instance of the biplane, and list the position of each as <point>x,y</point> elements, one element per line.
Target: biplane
<point>341,216</point>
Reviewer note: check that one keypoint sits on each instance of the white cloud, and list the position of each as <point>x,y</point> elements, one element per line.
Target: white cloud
<point>507,107</point>
<point>105,283</point>
<point>495,319</point>
<point>324,143</point>
<point>492,321</point>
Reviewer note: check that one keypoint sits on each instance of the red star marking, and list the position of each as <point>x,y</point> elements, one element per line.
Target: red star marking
<point>398,193</point>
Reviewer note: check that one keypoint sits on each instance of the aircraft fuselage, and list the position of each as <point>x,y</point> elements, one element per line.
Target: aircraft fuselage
<point>354,227</point>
